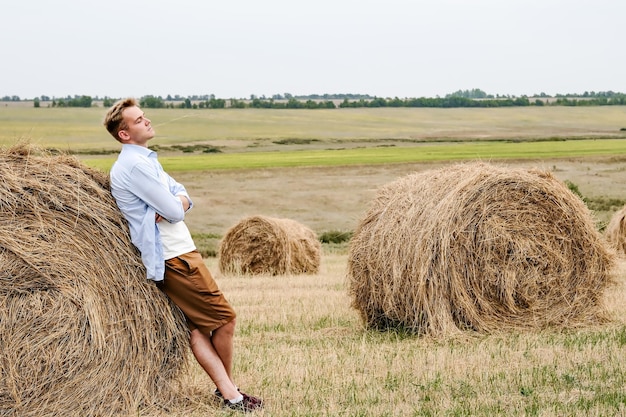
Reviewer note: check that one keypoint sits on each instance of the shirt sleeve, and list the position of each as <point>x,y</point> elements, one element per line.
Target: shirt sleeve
<point>157,195</point>
<point>151,253</point>
<point>177,189</point>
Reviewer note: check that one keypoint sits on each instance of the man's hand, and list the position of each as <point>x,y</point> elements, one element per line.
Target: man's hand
<point>157,218</point>
<point>185,202</point>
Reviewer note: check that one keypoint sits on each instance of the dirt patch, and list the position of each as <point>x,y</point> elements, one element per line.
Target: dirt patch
<point>335,198</point>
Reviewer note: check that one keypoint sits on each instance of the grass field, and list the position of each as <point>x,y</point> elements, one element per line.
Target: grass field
<point>302,347</point>
<point>457,151</point>
<point>299,344</point>
<point>252,138</point>
<point>251,129</point>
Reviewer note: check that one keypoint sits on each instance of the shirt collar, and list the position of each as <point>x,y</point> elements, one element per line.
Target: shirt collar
<point>142,150</point>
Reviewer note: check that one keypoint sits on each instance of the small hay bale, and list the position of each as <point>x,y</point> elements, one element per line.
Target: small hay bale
<point>615,232</point>
<point>82,332</point>
<point>478,247</point>
<point>265,245</point>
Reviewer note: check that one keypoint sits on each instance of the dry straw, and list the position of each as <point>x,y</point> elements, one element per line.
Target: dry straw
<point>265,245</point>
<point>478,247</point>
<point>616,231</point>
<point>82,332</point>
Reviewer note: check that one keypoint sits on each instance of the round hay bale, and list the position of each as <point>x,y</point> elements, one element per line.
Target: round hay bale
<point>615,231</point>
<point>265,245</point>
<point>82,332</point>
<point>478,247</point>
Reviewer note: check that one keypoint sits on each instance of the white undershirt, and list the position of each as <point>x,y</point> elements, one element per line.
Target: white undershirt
<point>175,237</point>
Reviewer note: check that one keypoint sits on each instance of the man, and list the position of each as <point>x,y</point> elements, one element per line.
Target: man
<point>154,205</point>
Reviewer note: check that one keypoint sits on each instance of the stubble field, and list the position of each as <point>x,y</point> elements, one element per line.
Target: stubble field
<point>335,198</point>
<point>301,346</point>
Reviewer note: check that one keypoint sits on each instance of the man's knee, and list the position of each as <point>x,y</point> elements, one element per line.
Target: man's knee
<point>196,338</point>
<point>231,325</point>
<point>228,328</point>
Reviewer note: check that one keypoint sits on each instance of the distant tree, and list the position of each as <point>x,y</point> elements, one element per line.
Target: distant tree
<point>395,102</point>
<point>217,103</point>
<point>76,101</point>
<point>378,102</point>
<point>152,102</point>
<point>82,101</point>
<point>237,104</point>
<point>260,103</point>
<point>36,102</point>
<point>475,93</point>
<point>294,104</point>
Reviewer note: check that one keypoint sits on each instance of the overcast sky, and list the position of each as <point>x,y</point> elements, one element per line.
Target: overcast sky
<point>235,48</point>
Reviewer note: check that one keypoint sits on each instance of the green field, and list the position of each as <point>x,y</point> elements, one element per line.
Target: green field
<point>251,138</point>
<point>388,155</point>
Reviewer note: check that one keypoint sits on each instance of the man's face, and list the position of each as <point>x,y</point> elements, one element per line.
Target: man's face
<point>139,129</point>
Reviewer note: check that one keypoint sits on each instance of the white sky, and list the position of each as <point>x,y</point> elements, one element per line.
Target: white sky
<point>235,48</point>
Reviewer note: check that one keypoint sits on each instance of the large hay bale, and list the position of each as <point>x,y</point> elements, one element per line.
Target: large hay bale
<point>266,245</point>
<point>615,231</point>
<point>82,332</point>
<point>478,247</point>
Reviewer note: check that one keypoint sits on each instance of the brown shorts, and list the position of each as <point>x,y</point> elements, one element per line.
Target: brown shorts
<point>190,285</point>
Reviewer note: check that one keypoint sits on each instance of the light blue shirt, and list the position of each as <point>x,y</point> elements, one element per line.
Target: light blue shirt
<point>140,193</point>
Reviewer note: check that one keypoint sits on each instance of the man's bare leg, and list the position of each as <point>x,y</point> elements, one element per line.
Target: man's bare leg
<point>222,340</point>
<point>208,358</point>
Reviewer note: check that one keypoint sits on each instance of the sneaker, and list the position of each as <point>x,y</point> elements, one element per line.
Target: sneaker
<point>247,404</point>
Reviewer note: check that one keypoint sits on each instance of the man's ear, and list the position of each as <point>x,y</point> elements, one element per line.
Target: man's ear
<point>123,135</point>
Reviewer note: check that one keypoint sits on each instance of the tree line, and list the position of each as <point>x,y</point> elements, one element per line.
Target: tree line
<point>460,98</point>
<point>450,101</point>
<point>77,101</point>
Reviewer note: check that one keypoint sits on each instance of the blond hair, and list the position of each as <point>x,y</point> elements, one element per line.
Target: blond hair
<point>114,120</point>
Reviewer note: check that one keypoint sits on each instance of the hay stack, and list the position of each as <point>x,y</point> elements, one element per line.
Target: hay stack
<point>477,247</point>
<point>616,231</point>
<point>265,245</point>
<point>82,332</point>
